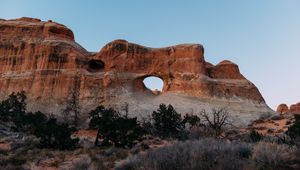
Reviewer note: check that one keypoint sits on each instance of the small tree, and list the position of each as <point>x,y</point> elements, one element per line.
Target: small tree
<point>255,136</point>
<point>14,109</point>
<point>216,120</point>
<point>71,113</point>
<point>32,121</point>
<point>55,136</point>
<point>191,119</point>
<point>167,122</point>
<point>51,134</point>
<point>294,131</point>
<point>113,128</point>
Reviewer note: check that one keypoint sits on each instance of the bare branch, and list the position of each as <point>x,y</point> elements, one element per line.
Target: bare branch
<point>217,119</point>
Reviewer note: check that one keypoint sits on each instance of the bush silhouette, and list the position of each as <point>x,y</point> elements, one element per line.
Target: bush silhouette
<point>217,119</point>
<point>255,136</point>
<point>14,109</point>
<point>54,135</point>
<point>113,128</point>
<point>294,130</point>
<point>167,122</point>
<point>192,120</point>
<point>51,134</point>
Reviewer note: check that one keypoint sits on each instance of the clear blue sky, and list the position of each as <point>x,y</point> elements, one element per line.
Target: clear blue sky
<point>261,36</point>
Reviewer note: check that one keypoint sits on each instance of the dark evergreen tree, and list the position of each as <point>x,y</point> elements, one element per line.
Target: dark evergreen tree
<point>255,136</point>
<point>14,109</point>
<point>294,130</point>
<point>51,134</point>
<point>167,122</point>
<point>55,136</point>
<point>114,128</point>
<point>193,120</point>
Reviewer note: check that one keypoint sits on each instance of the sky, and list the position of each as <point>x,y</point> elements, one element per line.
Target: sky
<point>261,36</point>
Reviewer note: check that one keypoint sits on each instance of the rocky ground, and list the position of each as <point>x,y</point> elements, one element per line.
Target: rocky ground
<point>273,126</point>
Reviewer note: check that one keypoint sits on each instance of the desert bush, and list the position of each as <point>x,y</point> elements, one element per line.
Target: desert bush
<point>197,132</point>
<point>255,136</point>
<point>51,134</point>
<point>217,119</point>
<point>191,120</point>
<point>294,130</point>
<point>103,158</point>
<point>272,155</point>
<point>114,128</point>
<point>12,162</point>
<point>14,109</point>
<point>55,136</point>
<point>167,122</point>
<point>81,163</point>
<point>279,139</point>
<point>147,125</point>
<point>204,154</point>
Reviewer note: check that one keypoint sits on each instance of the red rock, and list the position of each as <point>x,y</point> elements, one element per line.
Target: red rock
<point>295,108</point>
<point>5,147</point>
<point>282,108</point>
<point>43,59</point>
<point>226,70</point>
<point>156,92</point>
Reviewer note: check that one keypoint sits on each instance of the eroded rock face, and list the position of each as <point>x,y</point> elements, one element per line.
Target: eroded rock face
<point>43,59</point>
<point>282,108</point>
<point>294,108</point>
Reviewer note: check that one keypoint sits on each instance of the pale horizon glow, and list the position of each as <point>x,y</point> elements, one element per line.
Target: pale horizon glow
<point>262,37</point>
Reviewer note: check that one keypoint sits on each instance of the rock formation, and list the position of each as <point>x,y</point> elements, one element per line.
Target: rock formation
<point>294,108</point>
<point>282,108</point>
<point>43,59</point>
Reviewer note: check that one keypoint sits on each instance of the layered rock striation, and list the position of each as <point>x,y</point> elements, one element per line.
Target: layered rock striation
<point>43,59</point>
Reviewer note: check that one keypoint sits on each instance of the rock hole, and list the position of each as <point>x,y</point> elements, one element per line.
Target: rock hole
<point>96,64</point>
<point>153,83</point>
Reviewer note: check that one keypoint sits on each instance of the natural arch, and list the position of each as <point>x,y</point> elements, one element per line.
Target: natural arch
<point>95,65</point>
<point>153,83</point>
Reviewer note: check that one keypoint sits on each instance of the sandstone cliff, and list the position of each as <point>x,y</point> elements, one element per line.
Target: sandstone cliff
<point>43,59</point>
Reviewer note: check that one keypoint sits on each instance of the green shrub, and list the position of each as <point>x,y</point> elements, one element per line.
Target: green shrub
<point>113,128</point>
<point>14,109</point>
<point>192,120</point>
<point>167,122</point>
<point>294,130</point>
<point>51,134</point>
<point>255,136</point>
<point>55,136</point>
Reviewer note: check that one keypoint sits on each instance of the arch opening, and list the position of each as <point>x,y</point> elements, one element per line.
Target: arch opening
<point>95,64</point>
<point>153,83</point>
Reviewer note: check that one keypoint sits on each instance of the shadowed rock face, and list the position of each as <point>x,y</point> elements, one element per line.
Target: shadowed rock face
<point>43,59</point>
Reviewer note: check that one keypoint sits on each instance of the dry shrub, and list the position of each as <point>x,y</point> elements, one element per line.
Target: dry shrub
<point>98,158</point>
<point>81,163</point>
<point>203,154</point>
<point>272,156</point>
